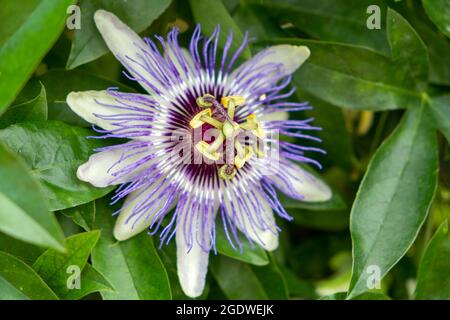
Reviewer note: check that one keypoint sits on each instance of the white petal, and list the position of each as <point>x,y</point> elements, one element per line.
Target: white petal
<point>292,57</point>
<point>192,258</point>
<point>99,169</point>
<point>275,116</point>
<point>256,223</point>
<point>88,104</point>
<point>289,57</point>
<point>192,267</point>
<point>302,185</point>
<point>124,43</point>
<point>126,226</point>
<point>187,63</point>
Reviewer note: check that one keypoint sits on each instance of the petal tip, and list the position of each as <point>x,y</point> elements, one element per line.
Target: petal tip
<point>275,116</point>
<point>304,50</point>
<point>192,291</point>
<point>72,97</point>
<point>121,233</point>
<point>126,228</point>
<point>86,172</point>
<point>303,53</point>
<point>321,192</point>
<point>100,16</point>
<point>290,56</point>
<point>325,194</point>
<point>271,242</point>
<point>82,173</point>
<point>192,266</point>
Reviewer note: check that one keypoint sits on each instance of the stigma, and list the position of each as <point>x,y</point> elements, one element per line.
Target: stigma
<point>226,145</point>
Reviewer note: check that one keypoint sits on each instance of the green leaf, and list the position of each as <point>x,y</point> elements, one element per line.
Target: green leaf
<point>8,292</point>
<point>408,52</point>
<point>24,212</point>
<point>254,255</point>
<point>351,77</point>
<point>88,44</point>
<point>433,280</point>
<point>335,203</point>
<point>439,13</point>
<point>356,78</point>
<point>59,83</point>
<point>330,215</point>
<point>11,18</point>
<point>256,21</point>
<point>69,227</point>
<point>54,151</point>
<point>83,215</point>
<point>168,254</point>
<point>328,220</point>
<point>209,14</point>
<point>26,252</point>
<point>437,43</point>
<point>15,273</point>
<point>394,198</point>
<point>439,53</point>
<point>236,279</point>
<point>242,281</point>
<point>22,52</point>
<point>133,267</point>
<point>31,104</point>
<point>440,110</point>
<point>336,139</point>
<point>54,267</point>
<point>90,281</point>
<point>298,288</point>
<point>364,296</point>
<point>272,280</point>
<point>348,19</point>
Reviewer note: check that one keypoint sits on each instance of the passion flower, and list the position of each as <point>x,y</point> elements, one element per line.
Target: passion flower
<point>203,141</point>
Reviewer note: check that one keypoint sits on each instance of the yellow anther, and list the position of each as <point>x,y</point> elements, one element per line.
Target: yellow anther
<point>248,126</point>
<point>227,171</point>
<point>204,104</point>
<point>255,126</point>
<point>258,148</point>
<point>238,100</point>
<point>239,149</point>
<point>197,121</point>
<point>210,150</point>
<point>203,148</point>
<point>217,143</point>
<point>239,161</point>
<point>259,132</point>
<point>214,122</point>
<point>231,107</point>
<point>230,129</point>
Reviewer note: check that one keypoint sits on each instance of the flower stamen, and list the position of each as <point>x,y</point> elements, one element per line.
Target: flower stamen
<point>204,148</point>
<point>202,101</point>
<point>197,121</point>
<point>227,171</point>
<point>255,126</point>
<point>228,132</point>
<point>243,155</point>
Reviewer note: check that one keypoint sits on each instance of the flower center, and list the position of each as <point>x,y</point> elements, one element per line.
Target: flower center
<point>227,145</point>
